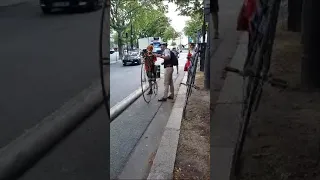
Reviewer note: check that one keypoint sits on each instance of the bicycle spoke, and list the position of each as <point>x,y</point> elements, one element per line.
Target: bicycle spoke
<point>255,70</point>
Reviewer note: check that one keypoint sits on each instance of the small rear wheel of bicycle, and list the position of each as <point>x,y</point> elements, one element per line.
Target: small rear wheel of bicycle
<point>149,89</point>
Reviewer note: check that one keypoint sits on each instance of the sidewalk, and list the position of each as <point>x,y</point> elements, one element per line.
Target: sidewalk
<point>283,137</point>
<point>193,151</point>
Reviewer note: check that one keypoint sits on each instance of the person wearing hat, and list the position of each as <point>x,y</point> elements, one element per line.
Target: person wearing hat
<point>149,62</point>
<point>168,72</point>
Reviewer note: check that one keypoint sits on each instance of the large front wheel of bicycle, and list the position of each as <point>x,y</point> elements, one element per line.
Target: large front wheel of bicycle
<point>149,89</point>
<point>104,56</point>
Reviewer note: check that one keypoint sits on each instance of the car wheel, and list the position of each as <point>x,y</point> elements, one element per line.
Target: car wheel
<point>139,62</point>
<point>124,64</point>
<point>46,10</point>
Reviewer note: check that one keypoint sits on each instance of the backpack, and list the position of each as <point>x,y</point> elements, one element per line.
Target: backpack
<point>174,58</point>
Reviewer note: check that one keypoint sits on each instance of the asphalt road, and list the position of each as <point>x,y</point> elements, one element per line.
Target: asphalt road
<point>45,60</point>
<point>84,154</point>
<point>124,80</point>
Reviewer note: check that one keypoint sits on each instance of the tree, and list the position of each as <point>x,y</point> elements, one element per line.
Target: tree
<point>189,7</point>
<point>150,22</point>
<point>173,43</point>
<point>170,33</point>
<point>193,26</point>
<point>122,13</point>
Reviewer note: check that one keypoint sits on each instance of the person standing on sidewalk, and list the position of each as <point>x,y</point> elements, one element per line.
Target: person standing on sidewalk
<point>246,22</point>
<point>168,72</point>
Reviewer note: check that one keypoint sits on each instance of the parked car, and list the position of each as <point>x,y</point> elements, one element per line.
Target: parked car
<point>48,5</point>
<point>131,58</point>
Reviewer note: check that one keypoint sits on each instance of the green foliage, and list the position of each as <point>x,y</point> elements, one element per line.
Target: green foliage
<point>150,22</point>
<point>193,26</point>
<point>173,43</point>
<point>147,18</point>
<point>189,7</point>
<point>170,33</point>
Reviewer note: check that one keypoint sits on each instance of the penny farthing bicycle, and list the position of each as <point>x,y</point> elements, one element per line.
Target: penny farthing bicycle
<point>149,85</point>
<point>104,52</point>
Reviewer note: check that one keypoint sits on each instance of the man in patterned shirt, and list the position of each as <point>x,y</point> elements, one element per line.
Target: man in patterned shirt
<point>149,62</point>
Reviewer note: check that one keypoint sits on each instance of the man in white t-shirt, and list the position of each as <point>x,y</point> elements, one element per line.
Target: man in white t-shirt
<point>168,71</point>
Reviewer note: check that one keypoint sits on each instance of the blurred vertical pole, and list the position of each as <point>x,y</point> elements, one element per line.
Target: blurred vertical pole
<point>203,44</point>
<point>131,36</point>
<point>127,43</point>
<point>207,54</point>
<point>294,15</point>
<point>310,63</point>
<point>214,11</point>
<point>108,4</point>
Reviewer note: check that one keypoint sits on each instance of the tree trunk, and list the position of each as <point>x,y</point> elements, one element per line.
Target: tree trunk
<point>120,44</point>
<point>310,63</point>
<point>294,16</point>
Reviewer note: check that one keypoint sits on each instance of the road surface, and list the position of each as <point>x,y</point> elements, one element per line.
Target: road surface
<point>125,79</point>
<point>84,155</point>
<point>45,61</point>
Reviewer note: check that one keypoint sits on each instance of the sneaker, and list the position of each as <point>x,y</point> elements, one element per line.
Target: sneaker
<point>162,99</point>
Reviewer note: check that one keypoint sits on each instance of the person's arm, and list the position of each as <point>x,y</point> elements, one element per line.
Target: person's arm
<point>157,55</point>
<point>166,55</point>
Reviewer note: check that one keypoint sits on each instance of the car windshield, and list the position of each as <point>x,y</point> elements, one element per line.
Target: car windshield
<point>134,53</point>
<point>156,45</point>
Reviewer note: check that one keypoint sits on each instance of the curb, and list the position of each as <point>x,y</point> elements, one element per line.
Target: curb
<point>23,152</point>
<point>143,151</point>
<point>163,163</point>
<point>117,109</point>
<point>226,118</point>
